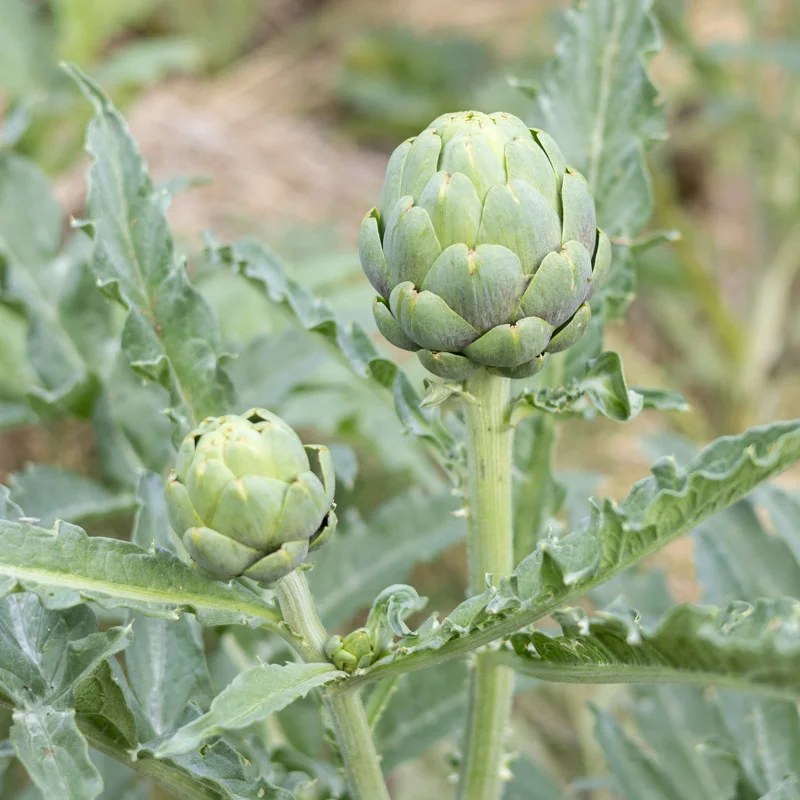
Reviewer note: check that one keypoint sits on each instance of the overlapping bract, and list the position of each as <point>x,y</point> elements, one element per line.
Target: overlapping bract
<point>248,498</point>
<point>485,249</point>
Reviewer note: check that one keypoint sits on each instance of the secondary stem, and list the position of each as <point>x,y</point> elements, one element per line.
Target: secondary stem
<point>353,735</point>
<point>491,550</point>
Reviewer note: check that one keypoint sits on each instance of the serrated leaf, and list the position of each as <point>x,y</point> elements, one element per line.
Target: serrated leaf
<point>349,342</point>
<point>671,502</point>
<point>251,697</point>
<point>603,388</point>
<point>599,103</point>
<point>165,653</point>
<point>44,285</point>
<point>597,100</point>
<point>170,335</point>
<point>635,771</point>
<point>259,370</point>
<point>51,493</point>
<point>65,567</point>
<point>765,736</point>
<point>55,753</point>
<point>644,589</point>
<point>750,648</point>
<point>99,699</point>
<point>131,430</point>
<point>426,707</point>
<point>335,404</point>
<point>407,530</point>
<point>44,653</point>
<point>735,558</point>
<point>221,769</point>
<point>685,737</point>
<point>45,658</point>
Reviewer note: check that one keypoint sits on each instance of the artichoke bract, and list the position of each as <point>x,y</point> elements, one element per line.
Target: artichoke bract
<point>484,250</point>
<point>248,498</point>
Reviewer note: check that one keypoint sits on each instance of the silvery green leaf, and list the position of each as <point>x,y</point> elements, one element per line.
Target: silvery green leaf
<point>44,658</point>
<point>166,662</point>
<point>641,772</point>
<point>259,370</point>
<point>747,647</point>
<point>252,696</point>
<point>642,588</point>
<point>765,735</point>
<point>100,701</point>
<point>349,342</point>
<point>55,753</point>
<point>171,335</point>
<point>131,430</point>
<point>44,283</point>
<point>369,555</point>
<point>660,508</point>
<point>602,388</point>
<point>426,707</point>
<point>65,567</point>
<point>597,100</point>
<point>736,559</point>
<point>221,772</point>
<point>50,493</point>
<point>44,652</point>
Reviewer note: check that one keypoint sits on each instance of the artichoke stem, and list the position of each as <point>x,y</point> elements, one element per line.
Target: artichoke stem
<point>491,551</point>
<point>353,735</point>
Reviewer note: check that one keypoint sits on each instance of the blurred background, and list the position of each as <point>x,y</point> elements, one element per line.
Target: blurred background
<point>275,118</point>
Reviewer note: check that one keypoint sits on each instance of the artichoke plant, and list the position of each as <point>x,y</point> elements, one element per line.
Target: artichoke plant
<point>247,498</point>
<point>484,250</point>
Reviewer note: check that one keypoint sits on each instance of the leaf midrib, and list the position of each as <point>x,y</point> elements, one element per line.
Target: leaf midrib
<point>269,617</point>
<point>621,673</point>
<point>610,53</point>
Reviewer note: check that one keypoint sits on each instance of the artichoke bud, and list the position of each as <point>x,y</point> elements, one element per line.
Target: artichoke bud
<point>485,249</point>
<point>248,499</point>
<point>355,651</point>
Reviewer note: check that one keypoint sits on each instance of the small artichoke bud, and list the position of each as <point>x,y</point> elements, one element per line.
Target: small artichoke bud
<point>355,651</point>
<point>247,498</point>
<point>484,250</point>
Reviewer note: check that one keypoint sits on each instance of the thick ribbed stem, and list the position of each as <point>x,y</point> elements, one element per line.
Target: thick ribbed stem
<point>353,736</point>
<point>491,550</point>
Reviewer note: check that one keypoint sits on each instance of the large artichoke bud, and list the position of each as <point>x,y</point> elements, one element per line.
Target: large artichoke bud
<point>485,248</point>
<point>248,498</point>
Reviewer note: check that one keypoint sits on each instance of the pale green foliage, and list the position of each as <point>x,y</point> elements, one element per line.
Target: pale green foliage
<point>202,703</point>
<point>251,697</point>
<point>745,647</point>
